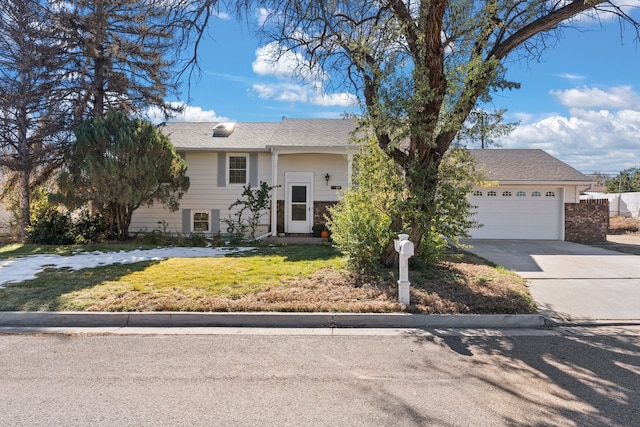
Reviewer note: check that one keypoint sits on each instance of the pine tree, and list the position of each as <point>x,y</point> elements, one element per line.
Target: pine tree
<point>119,164</point>
<point>120,54</point>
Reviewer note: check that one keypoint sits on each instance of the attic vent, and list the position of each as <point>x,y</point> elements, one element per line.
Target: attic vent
<point>223,129</point>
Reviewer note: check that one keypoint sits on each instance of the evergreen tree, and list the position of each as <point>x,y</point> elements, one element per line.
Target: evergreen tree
<point>627,181</point>
<point>118,164</point>
<point>120,54</point>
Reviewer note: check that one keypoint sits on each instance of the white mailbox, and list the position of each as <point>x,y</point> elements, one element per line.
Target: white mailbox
<point>405,250</point>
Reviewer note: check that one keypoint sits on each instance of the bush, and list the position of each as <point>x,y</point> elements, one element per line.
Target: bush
<point>360,222</point>
<point>88,228</point>
<point>52,227</point>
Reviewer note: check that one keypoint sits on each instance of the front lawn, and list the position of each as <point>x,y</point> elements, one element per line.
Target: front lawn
<point>301,278</point>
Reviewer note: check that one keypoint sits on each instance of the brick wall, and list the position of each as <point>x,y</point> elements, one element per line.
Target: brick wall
<point>585,222</point>
<point>319,210</point>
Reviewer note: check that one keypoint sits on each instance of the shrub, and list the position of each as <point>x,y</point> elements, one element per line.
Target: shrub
<point>51,227</point>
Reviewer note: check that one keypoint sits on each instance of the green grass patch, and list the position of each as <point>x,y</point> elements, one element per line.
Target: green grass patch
<point>183,281</point>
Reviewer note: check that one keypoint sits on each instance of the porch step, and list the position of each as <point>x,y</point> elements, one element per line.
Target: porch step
<point>296,239</point>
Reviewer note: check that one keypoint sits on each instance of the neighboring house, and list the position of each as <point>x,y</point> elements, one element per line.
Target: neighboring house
<point>531,198</point>
<point>310,161</point>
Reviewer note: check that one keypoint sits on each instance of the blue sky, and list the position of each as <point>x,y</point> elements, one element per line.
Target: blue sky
<point>580,103</point>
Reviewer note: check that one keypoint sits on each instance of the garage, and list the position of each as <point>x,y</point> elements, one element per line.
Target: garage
<point>518,212</point>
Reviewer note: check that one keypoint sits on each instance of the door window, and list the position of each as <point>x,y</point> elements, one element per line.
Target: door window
<point>298,202</point>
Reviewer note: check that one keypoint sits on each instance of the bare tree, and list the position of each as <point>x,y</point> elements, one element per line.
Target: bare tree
<point>420,67</point>
<point>33,115</point>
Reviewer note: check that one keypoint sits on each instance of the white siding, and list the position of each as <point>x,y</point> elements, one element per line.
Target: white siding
<point>204,193</point>
<point>319,164</point>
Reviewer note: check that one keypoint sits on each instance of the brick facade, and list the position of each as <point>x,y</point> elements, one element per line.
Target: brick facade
<point>586,222</point>
<point>319,211</point>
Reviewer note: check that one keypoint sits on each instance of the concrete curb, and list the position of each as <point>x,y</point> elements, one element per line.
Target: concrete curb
<point>271,320</point>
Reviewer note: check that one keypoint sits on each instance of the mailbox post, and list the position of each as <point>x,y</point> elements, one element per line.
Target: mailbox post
<point>405,250</point>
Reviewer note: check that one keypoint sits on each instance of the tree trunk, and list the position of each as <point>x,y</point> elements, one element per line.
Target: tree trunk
<point>23,204</point>
<point>422,182</point>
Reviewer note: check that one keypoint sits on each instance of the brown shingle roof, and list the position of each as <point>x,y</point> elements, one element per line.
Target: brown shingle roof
<point>526,165</point>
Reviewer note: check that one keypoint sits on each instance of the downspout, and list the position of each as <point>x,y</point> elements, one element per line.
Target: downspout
<point>274,193</point>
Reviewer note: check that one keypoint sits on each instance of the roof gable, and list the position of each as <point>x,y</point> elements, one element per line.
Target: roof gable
<point>525,165</point>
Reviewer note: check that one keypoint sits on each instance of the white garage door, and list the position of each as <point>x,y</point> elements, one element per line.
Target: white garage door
<point>518,213</point>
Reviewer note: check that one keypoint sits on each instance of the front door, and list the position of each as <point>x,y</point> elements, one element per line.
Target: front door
<point>299,205</point>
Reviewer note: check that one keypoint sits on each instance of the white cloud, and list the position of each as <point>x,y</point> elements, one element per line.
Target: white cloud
<point>271,60</point>
<point>588,97</point>
<point>587,139</point>
<point>570,76</point>
<point>292,93</point>
<point>189,114</point>
<point>335,99</point>
<point>262,15</point>
<point>285,66</point>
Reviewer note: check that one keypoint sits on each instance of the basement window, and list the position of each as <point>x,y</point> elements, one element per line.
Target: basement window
<point>200,222</point>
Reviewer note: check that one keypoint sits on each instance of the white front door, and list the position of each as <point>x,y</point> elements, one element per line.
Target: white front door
<point>299,213</point>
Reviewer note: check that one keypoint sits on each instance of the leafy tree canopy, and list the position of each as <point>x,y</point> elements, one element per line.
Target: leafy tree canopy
<point>627,181</point>
<point>419,67</point>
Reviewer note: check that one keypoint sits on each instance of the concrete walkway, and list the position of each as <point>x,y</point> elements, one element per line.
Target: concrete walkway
<point>571,282</point>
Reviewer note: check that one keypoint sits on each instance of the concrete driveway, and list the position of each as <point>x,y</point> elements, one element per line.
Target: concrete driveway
<point>571,282</point>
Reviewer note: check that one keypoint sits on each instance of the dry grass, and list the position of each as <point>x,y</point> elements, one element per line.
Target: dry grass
<point>455,286</point>
<point>621,224</point>
<point>289,279</point>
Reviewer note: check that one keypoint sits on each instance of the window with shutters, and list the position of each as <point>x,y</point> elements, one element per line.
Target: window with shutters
<point>238,169</point>
<point>201,222</point>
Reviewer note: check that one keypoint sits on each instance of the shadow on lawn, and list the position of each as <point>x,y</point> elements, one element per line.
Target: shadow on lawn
<point>294,252</point>
<point>47,291</point>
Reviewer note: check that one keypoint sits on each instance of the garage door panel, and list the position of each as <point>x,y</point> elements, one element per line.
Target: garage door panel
<point>513,217</point>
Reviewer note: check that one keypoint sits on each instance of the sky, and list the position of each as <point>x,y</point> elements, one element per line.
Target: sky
<point>580,102</point>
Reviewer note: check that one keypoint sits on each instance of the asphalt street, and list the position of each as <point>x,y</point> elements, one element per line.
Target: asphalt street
<point>324,377</point>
